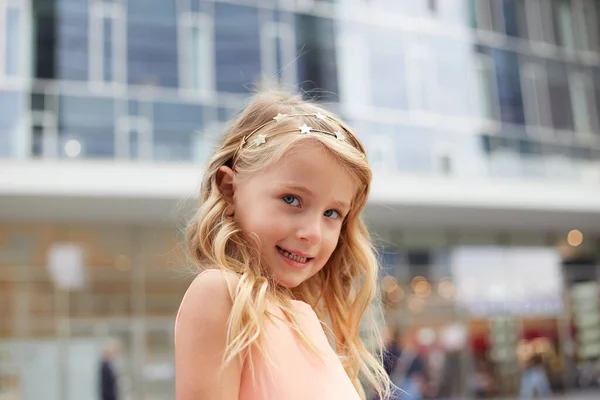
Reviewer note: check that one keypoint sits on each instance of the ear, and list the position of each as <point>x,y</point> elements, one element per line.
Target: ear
<point>226,187</point>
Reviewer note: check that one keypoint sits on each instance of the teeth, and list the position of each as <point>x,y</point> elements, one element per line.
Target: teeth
<point>292,256</point>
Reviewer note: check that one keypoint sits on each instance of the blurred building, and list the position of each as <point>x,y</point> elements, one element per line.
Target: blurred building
<point>480,117</point>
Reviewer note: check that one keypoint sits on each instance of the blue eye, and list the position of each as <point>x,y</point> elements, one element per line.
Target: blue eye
<point>291,200</point>
<point>332,214</point>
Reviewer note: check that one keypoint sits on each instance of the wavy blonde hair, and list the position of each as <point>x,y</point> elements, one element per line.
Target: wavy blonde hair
<point>341,292</point>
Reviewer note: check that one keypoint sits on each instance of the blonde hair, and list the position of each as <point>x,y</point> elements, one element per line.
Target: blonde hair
<point>341,292</point>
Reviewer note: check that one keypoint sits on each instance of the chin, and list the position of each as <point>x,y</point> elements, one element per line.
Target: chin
<point>288,282</point>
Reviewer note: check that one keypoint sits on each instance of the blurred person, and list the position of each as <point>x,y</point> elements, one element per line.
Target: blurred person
<point>282,248</point>
<point>390,350</point>
<point>410,372</point>
<point>109,388</point>
<point>483,381</point>
<point>534,379</point>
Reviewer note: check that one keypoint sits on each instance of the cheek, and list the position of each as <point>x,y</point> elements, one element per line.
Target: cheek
<point>330,241</point>
<point>259,221</point>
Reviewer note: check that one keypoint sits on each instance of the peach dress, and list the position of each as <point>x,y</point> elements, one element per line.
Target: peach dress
<point>292,371</point>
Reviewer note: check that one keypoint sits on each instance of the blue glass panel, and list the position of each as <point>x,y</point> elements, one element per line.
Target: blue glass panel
<point>72,45</point>
<point>316,45</point>
<point>13,42</point>
<point>560,95</point>
<point>452,59</point>
<point>509,85</point>
<point>387,68</point>
<point>237,44</point>
<point>11,112</point>
<point>107,48</point>
<point>90,121</point>
<point>152,42</point>
<point>176,128</point>
<point>515,21</point>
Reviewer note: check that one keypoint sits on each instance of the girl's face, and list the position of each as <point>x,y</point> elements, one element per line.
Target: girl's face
<point>296,208</point>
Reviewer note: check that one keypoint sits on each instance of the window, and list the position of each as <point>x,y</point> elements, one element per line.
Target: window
<point>196,54</point>
<point>545,29</point>
<point>596,89</point>
<point>386,68</point>
<point>583,99</point>
<point>277,52</point>
<point>515,17</point>
<point>506,67</point>
<point>91,122</point>
<point>152,43</point>
<point>133,139</point>
<point>586,22</point>
<point>563,23</point>
<point>487,91</point>
<point>44,38</point>
<point>175,129</point>
<point>538,20</point>
<point>73,40</point>
<point>317,61</point>
<point>353,56</point>
<point>421,79</point>
<point>107,43</point>
<point>237,47</point>
<point>11,114</point>
<point>11,41</point>
<point>535,95</point>
<point>560,96</point>
<point>382,152</point>
<point>487,15</point>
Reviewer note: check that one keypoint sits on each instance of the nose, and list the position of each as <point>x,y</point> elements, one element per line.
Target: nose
<point>310,229</point>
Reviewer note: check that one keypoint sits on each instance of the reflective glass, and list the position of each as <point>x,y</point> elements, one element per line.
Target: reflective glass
<point>237,44</point>
<point>509,85</point>
<point>72,47</point>
<point>176,128</point>
<point>13,42</point>
<point>387,69</point>
<point>90,121</point>
<point>11,113</point>
<point>316,45</point>
<point>152,42</point>
<point>560,95</point>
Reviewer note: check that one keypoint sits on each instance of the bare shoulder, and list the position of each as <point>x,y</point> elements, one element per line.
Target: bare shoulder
<point>212,285</point>
<point>207,300</point>
<point>200,339</point>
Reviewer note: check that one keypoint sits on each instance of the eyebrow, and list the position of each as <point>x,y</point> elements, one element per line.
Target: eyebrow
<point>309,192</point>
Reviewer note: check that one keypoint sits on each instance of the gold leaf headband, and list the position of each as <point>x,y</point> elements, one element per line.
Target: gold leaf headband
<point>304,129</point>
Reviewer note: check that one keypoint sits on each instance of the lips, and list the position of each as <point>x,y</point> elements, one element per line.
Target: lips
<point>293,256</point>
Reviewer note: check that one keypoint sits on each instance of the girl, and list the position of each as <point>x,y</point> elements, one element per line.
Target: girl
<point>283,249</point>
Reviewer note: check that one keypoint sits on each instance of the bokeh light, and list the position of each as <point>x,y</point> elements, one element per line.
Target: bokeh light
<point>422,289</point>
<point>575,238</point>
<point>396,295</point>
<point>72,148</point>
<point>416,304</point>
<point>389,284</point>
<point>446,289</point>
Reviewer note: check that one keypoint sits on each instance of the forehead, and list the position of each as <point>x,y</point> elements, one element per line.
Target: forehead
<point>311,166</point>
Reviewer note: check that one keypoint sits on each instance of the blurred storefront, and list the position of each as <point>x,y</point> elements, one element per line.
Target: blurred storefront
<point>484,303</point>
<point>69,289</point>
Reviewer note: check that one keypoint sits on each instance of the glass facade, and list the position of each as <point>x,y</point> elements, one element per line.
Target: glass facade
<point>519,78</point>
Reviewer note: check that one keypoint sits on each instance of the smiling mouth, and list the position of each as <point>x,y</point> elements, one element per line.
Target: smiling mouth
<point>292,256</point>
